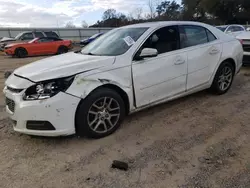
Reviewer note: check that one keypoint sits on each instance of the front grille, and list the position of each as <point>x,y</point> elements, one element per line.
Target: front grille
<point>40,126</point>
<point>14,90</point>
<point>246,47</point>
<point>10,104</point>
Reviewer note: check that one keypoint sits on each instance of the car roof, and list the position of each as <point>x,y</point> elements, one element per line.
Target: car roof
<point>163,23</point>
<point>230,25</point>
<point>36,31</point>
<point>222,25</point>
<point>49,38</point>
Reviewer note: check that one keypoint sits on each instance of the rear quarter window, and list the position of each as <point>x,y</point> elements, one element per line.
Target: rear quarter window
<point>210,36</point>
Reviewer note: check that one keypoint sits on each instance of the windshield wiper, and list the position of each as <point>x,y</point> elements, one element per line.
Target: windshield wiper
<point>80,51</point>
<point>90,53</point>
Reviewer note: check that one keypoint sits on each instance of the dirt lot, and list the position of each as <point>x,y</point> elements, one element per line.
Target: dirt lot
<point>198,141</point>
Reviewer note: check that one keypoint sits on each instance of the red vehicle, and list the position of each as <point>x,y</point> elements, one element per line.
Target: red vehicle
<point>39,46</point>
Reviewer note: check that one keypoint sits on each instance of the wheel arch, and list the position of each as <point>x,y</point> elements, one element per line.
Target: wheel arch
<point>62,46</point>
<point>230,60</point>
<point>115,88</point>
<point>19,48</point>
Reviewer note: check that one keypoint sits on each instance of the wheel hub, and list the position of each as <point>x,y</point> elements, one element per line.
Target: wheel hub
<point>222,78</point>
<point>103,115</point>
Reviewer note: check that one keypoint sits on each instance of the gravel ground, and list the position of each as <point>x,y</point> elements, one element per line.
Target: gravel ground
<point>198,141</point>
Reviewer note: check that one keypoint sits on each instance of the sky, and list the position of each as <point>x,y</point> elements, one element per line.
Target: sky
<point>56,13</point>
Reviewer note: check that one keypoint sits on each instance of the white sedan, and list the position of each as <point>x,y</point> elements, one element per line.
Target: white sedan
<point>233,30</point>
<point>245,40</point>
<point>128,69</point>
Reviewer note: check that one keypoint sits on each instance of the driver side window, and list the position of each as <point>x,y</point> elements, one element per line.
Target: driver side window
<point>27,36</point>
<point>164,40</point>
<point>230,29</point>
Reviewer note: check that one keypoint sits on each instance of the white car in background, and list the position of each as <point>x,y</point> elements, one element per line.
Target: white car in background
<point>128,69</point>
<point>233,30</point>
<point>245,40</point>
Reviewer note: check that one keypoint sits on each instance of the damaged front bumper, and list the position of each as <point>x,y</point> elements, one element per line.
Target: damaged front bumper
<point>54,116</point>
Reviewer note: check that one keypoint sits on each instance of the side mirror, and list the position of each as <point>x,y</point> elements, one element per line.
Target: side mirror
<point>148,52</point>
<point>229,32</point>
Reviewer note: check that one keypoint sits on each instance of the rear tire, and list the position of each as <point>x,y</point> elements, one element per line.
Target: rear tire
<point>100,114</point>
<point>21,52</point>
<point>62,50</point>
<point>223,78</point>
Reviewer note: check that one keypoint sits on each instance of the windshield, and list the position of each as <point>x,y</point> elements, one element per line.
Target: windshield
<point>222,28</point>
<point>19,35</point>
<point>115,42</point>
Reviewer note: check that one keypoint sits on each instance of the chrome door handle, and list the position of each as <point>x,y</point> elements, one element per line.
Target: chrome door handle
<point>213,52</point>
<point>179,61</point>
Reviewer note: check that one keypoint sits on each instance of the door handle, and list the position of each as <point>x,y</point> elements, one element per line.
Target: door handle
<point>214,51</point>
<point>179,61</point>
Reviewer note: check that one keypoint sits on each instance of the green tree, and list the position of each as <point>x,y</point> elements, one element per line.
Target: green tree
<point>109,14</point>
<point>228,11</point>
<point>193,10</point>
<point>168,10</point>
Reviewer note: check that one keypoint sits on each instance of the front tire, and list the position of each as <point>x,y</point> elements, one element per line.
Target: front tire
<point>100,114</point>
<point>223,78</point>
<point>21,52</point>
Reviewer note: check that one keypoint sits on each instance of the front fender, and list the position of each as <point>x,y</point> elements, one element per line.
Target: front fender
<point>83,85</point>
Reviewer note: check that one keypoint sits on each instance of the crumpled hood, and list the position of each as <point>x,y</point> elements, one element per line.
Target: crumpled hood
<point>14,44</point>
<point>245,35</point>
<point>7,39</point>
<point>62,66</point>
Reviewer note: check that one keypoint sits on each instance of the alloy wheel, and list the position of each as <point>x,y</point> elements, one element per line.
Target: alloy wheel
<point>103,115</point>
<point>225,78</point>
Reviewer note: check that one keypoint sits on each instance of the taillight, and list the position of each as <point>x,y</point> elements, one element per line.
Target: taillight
<point>70,44</point>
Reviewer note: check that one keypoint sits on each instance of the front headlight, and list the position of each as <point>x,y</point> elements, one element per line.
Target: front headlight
<point>47,89</point>
<point>6,47</point>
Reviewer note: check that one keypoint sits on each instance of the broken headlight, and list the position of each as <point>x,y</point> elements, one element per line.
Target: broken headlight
<point>47,89</point>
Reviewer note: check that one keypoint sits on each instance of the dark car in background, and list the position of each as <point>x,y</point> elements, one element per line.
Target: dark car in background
<point>26,36</point>
<point>84,42</point>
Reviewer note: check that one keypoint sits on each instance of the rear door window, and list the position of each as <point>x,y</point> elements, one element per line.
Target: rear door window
<point>51,34</point>
<point>191,35</point>
<point>27,36</point>
<point>39,34</point>
<point>238,28</point>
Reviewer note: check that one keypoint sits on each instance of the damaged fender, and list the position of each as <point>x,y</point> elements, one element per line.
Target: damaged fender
<point>83,85</point>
